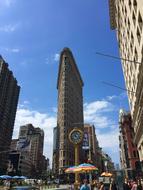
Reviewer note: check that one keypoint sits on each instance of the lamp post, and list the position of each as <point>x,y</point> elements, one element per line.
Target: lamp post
<point>90,157</point>
<point>75,137</point>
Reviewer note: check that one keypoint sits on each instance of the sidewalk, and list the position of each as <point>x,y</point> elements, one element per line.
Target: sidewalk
<point>61,187</point>
<point>2,188</point>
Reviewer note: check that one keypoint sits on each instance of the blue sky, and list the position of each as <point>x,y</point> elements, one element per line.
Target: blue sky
<point>32,34</point>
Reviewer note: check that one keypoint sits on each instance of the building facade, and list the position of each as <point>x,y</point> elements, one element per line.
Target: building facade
<point>129,158</point>
<point>70,108</point>
<point>55,162</point>
<point>107,163</point>
<point>9,94</point>
<point>92,153</point>
<point>90,145</point>
<point>26,155</point>
<point>127,18</point>
<point>19,164</point>
<point>31,140</point>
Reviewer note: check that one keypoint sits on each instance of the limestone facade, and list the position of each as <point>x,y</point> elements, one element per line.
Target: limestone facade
<point>126,17</point>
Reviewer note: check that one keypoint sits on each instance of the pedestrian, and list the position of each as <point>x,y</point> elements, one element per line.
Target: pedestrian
<point>7,184</point>
<point>113,185</point>
<point>71,187</point>
<point>134,187</point>
<point>85,185</point>
<point>101,186</point>
<point>139,186</point>
<point>95,185</point>
<point>126,185</point>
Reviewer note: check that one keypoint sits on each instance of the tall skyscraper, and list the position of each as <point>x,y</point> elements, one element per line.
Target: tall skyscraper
<point>9,94</point>
<point>127,18</point>
<point>70,108</point>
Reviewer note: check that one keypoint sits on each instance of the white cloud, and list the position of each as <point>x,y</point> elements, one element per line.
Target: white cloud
<point>54,109</point>
<point>15,50</point>
<point>9,28</point>
<point>98,106</point>
<point>42,120</point>
<point>99,113</point>
<point>121,96</point>
<point>6,3</point>
<point>94,112</point>
<point>26,102</point>
<point>111,97</point>
<point>51,59</point>
<point>12,50</point>
<point>56,57</point>
<point>110,139</point>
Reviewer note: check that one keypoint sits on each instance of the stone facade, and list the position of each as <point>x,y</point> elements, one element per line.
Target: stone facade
<point>127,18</point>
<point>70,108</point>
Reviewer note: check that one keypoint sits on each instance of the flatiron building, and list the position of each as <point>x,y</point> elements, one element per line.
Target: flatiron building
<point>70,110</point>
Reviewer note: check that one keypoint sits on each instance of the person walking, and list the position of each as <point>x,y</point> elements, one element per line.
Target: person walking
<point>113,185</point>
<point>85,185</point>
<point>126,185</point>
<point>139,186</point>
<point>101,186</point>
<point>95,185</point>
<point>134,187</point>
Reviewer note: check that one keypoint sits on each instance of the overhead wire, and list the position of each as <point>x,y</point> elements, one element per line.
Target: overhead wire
<point>110,84</point>
<point>115,57</point>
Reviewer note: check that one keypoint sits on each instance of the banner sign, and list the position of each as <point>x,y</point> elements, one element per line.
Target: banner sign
<point>85,144</point>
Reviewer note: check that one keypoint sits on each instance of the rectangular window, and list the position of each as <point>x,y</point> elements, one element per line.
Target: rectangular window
<point>134,153</point>
<point>132,38</point>
<point>140,21</point>
<point>136,55</point>
<point>134,18</point>
<point>135,4</point>
<point>130,4</point>
<point>138,35</point>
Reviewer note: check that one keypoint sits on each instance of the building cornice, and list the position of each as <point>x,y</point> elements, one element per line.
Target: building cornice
<point>112,10</point>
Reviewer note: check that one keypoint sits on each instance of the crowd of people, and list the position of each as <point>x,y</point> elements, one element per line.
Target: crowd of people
<point>133,185</point>
<point>96,185</point>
